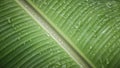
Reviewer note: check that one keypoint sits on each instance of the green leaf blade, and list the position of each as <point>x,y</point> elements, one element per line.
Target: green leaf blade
<point>23,43</point>
<point>89,25</point>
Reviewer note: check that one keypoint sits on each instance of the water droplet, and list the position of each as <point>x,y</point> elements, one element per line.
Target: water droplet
<point>93,54</point>
<point>95,36</point>
<point>62,15</point>
<point>13,25</point>
<point>48,35</point>
<point>54,8</point>
<point>81,66</point>
<point>30,40</point>
<point>60,4</point>
<point>58,51</point>
<point>108,4</point>
<point>98,3</point>
<point>114,37</point>
<point>118,28</point>
<point>58,63</point>
<point>91,11</point>
<point>106,15</point>
<point>61,42</point>
<point>63,7</point>
<point>56,66</point>
<point>45,3</point>
<point>104,9</point>
<point>79,4</point>
<point>15,28</point>
<point>90,47</point>
<point>64,66</point>
<point>86,0</point>
<point>9,20</point>
<point>102,66</point>
<point>40,5</point>
<point>51,53</point>
<point>54,35</point>
<point>91,5</point>
<point>110,50</point>
<point>107,61</point>
<point>26,33</point>
<point>90,53</point>
<point>101,61</point>
<point>103,31</point>
<point>58,12</point>
<point>19,33</point>
<point>24,43</point>
<point>40,53</point>
<point>64,1</point>
<point>18,38</point>
<point>106,46</point>
<point>76,26</point>
<point>25,6</point>
<point>69,7</point>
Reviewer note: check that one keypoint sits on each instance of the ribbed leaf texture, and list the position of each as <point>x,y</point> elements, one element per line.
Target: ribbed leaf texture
<point>91,28</point>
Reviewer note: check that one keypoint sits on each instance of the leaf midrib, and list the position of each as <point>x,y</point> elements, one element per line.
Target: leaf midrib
<point>56,34</point>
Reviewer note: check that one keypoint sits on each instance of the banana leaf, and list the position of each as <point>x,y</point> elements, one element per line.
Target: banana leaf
<point>59,34</point>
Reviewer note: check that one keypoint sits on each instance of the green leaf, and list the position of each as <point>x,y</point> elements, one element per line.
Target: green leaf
<point>59,34</point>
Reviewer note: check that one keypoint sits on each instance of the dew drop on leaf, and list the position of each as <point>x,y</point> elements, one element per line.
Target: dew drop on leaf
<point>79,4</point>
<point>76,26</point>
<point>85,0</point>
<point>64,1</point>
<point>90,47</point>
<point>58,63</point>
<point>107,61</point>
<point>13,25</point>
<point>9,20</point>
<point>108,5</point>
<point>93,54</point>
<point>24,43</point>
<point>48,35</point>
<point>18,38</point>
<point>64,66</point>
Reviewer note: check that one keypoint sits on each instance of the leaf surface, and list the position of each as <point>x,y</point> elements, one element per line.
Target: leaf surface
<point>59,34</point>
